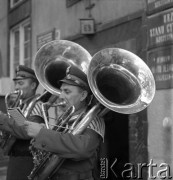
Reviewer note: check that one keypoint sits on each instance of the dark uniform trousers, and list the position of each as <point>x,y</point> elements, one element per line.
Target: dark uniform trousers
<point>23,166</point>
<point>67,175</point>
<point>20,161</point>
<point>80,162</point>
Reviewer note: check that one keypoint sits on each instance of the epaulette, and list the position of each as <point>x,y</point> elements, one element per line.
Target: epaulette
<point>98,125</point>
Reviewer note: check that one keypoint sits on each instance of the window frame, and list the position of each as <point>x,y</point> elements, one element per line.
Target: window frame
<point>19,27</point>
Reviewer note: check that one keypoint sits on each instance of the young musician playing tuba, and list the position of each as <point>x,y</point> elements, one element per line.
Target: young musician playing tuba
<point>20,159</point>
<point>79,151</point>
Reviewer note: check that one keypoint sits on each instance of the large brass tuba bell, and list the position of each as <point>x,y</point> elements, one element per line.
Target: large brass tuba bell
<point>52,60</point>
<point>119,79</point>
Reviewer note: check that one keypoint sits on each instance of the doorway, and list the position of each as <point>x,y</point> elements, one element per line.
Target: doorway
<point>115,148</point>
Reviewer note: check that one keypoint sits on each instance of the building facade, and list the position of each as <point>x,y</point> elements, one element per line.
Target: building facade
<point>26,25</point>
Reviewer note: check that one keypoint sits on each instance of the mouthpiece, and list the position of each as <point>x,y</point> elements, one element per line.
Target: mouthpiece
<point>62,103</point>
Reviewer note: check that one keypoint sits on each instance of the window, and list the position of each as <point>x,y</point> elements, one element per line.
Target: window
<point>20,46</point>
<point>14,3</point>
<point>16,47</point>
<point>27,47</point>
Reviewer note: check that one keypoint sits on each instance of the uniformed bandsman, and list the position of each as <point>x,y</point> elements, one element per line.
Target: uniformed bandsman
<point>20,158</point>
<point>80,151</point>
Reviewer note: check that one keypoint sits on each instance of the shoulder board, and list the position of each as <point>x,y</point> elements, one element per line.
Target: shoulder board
<point>98,125</point>
<point>37,110</point>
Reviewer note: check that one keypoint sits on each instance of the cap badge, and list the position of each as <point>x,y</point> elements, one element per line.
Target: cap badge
<point>68,69</point>
<point>77,82</point>
<point>68,76</point>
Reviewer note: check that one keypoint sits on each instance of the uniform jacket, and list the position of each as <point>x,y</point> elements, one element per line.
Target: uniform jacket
<point>79,151</point>
<point>20,159</point>
<point>9,125</point>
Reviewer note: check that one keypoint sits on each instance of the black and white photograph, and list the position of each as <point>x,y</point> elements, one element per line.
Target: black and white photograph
<point>86,89</point>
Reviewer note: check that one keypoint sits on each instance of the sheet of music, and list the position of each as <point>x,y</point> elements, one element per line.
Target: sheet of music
<point>17,115</point>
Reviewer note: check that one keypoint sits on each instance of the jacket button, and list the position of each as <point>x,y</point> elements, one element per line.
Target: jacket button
<point>43,145</point>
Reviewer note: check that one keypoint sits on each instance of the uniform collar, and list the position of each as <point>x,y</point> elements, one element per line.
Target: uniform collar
<point>27,100</point>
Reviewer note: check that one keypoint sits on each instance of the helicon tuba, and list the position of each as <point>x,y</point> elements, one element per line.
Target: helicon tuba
<point>52,60</point>
<point>12,100</point>
<point>119,80</point>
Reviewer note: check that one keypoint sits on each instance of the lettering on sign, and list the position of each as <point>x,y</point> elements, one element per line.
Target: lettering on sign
<point>160,61</point>
<point>47,37</point>
<point>87,26</point>
<point>154,6</point>
<point>160,29</point>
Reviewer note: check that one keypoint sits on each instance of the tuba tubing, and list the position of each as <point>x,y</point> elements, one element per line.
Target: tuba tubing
<point>52,162</point>
<point>7,139</point>
<point>119,80</point>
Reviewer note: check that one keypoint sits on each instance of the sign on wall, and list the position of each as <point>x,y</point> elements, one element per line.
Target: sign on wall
<point>160,29</point>
<point>48,36</point>
<point>154,6</point>
<point>160,61</point>
<point>87,26</point>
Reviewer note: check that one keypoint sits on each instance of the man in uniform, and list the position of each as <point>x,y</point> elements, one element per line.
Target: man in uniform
<point>20,159</point>
<point>79,151</point>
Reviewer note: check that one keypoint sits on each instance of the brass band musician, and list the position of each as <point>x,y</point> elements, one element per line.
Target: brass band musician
<point>20,159</point>
<point>80,151</point>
